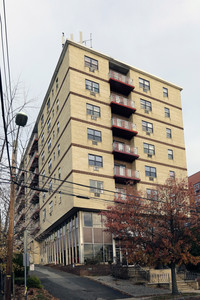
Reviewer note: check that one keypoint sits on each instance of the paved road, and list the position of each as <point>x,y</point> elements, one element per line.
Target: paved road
<point>67,286</point>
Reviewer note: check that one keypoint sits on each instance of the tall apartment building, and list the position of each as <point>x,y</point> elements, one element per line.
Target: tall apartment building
<point>103,123</point>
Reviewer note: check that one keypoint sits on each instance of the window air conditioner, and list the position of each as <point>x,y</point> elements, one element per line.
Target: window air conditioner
<point>146,111</point>
<point>148,132</point>
<point>151,178</point>
<point>96,168</point>
<point>93,117</point>
<point>94,143</point>
<point>145,89</point>
<point>92,93</point>
<point>97,194</point>
<point>91,69</point>
<point>149,155</point>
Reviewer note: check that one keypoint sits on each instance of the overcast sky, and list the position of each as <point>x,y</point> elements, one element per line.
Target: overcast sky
<point>161,37</point>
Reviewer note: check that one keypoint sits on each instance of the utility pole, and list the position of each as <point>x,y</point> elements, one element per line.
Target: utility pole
<point>20,120</point>
<point>25,263</point>
<point>11,226</point>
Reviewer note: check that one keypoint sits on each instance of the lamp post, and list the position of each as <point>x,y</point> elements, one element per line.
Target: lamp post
<point>20,120</point>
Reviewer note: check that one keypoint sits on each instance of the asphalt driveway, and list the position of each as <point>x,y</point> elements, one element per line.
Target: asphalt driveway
<point>67,286</point>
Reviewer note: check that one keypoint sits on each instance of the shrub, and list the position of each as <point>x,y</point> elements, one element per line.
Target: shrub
<point>19,280</point>
<point>34,282</point>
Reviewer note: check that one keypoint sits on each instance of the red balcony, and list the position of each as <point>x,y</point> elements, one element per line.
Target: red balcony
<point>35,228</point>
<point>21,177</point>
<point>120,83</point>
<point>21,217</point>
<point>33,163</point>
<point>21,205</point>
<point>124,152</point>
<point>34,196</point>
<point>124,129</point>
<point>123,175</point>
<point>121,105</point>
<point>33,178</point>
<point>20,193</point>
<point>34,145</point>
<point>35,212</point>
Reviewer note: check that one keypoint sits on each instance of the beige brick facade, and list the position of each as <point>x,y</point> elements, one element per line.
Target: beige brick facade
<point>78,171</point>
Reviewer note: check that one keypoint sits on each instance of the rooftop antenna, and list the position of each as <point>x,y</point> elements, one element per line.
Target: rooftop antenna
<point>90,40</point>
<point>71,36</point>
<point>63,39</point>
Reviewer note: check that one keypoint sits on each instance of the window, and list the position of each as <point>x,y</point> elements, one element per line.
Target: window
<point>42,138</point>
<point>145,84</point>
<point>146,105</point>
<point>50,207</point>
<point>94,135</point>
<point>54,156</point>
<point>56,83</point>
<point>53,134</point>
<point>168,133</point>
<point>43,156</point>
<point>43,196</point>
<point>42,119</point>
<point>167,112</point>
<point>91,86</point>
<point>150,171</point>
<point>152,194</point>
<point>48,105</point>
<point>165,92</point>
<point>44,214</point>
<point>43,176</point>
<point>52,92</point>
<point>58,127</point>
<point>48,124</point>
<point>197,187</point>
<point>59,173</point>
<point>49,144</point>
<point>146,126</point>
<point>93,110</point>
<point>50,185</point>
<point>172,174</point>
<point>96,186</point>
<point>57,105</point>
<point>88,219</point>
<point>95,160</point>
<point>60,197</point>
<point>91,63</point>
<point>50,164</point>
<point>170,154</point>
<point>52,112</point>
<point>149,149</point>
<point>58,149</point>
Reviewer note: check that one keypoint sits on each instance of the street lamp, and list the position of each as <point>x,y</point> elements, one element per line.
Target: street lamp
<point>20,120</point>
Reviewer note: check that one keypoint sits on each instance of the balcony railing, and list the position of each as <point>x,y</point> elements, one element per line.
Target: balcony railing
<point>35,212</point>
<point>121,105</point>
<point>34,196</point>
<point>33,163</point>
<point>35,228</point>
<point>123,128</point>
<point>120,83</point>
<point>124,152</point>
<point>125,148</point>
<point>122,100</point>
<point>33,146</point>
<point>33,178</point>
<point>123,174</point>
<point>20,192</point>
<point>120,77</point>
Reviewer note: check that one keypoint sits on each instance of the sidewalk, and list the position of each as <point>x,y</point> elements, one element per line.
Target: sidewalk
<point>132,290</point>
